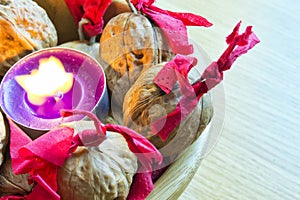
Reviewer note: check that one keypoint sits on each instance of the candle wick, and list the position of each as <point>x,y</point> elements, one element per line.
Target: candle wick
<point>58,96</point>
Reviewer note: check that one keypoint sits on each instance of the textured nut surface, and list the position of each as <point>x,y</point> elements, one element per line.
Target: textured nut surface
<point>130,43</point>
<point>62,19</point>
<point>3,138</point>
<point>10,183</point>
<point>25,27</point>
<point>103,172</point>
<point>145,102</point>
<point>12,46</point>
<point>116,7</point>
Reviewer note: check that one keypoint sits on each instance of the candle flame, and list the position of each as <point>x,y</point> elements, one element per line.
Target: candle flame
<point>49,80</point>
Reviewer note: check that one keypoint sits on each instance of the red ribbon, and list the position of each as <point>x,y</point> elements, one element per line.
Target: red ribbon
<point>42,157</point>
<point>238,44</point>
<point>173,24</point>
<point>92,10</point>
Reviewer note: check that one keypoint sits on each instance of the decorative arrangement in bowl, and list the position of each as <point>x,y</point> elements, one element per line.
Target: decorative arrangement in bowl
<point>129,114</point>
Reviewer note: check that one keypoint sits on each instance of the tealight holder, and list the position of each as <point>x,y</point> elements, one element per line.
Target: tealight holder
<point>88,91</point>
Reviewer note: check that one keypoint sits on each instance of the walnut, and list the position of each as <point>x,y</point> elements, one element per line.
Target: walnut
<point>103,172</point>
<point>24,28</point>
<point>62,19</point>
<point>146,102</point>
<point>130,43</point>
<point>10,183</point>
<point>3,138</point>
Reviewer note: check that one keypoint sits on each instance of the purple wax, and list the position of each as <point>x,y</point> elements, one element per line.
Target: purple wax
<point>51,108</point>
<point>88,90</point>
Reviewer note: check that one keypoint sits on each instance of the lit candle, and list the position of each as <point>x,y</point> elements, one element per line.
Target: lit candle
<point>38,86</point>
<point>47,88</point>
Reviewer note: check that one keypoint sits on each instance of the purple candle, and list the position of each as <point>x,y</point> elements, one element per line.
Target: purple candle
<point>73,80</point>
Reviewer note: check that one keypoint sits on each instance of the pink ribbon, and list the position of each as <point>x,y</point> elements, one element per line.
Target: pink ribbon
<point>238,44</point>
<point>173,24</point>
<point>176,70</point>
<point>92,10</point>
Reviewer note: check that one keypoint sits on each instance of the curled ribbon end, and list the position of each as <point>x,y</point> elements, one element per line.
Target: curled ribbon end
<point>65,113</point>
<point>88,137</point>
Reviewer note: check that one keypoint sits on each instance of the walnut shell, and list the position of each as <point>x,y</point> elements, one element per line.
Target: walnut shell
<point>24,28</point>
<point>3,138</point>
<point>103,172</point>
<point>115,8</point>
<point>146,102</point>
<point>62,19</point>
<point>129,44</point>
<point>10,183</point>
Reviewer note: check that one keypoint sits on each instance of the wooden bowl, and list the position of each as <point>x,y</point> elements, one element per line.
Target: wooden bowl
<point>177,177</point>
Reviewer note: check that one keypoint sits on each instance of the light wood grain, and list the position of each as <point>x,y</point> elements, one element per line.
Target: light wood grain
<point>177,177</point>
<point>258,153</point>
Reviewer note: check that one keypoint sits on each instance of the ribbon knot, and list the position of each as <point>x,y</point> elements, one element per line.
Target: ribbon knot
<point>92,10</point>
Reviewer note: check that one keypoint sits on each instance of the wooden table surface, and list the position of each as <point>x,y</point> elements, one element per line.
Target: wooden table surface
<point>257,155</point>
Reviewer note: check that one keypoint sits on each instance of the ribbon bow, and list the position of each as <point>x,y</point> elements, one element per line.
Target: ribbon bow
<point>238,44</point>
<point>141,147</point>
<point>90,10</point>
<point>42,157</point>
<point>173,24</point>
